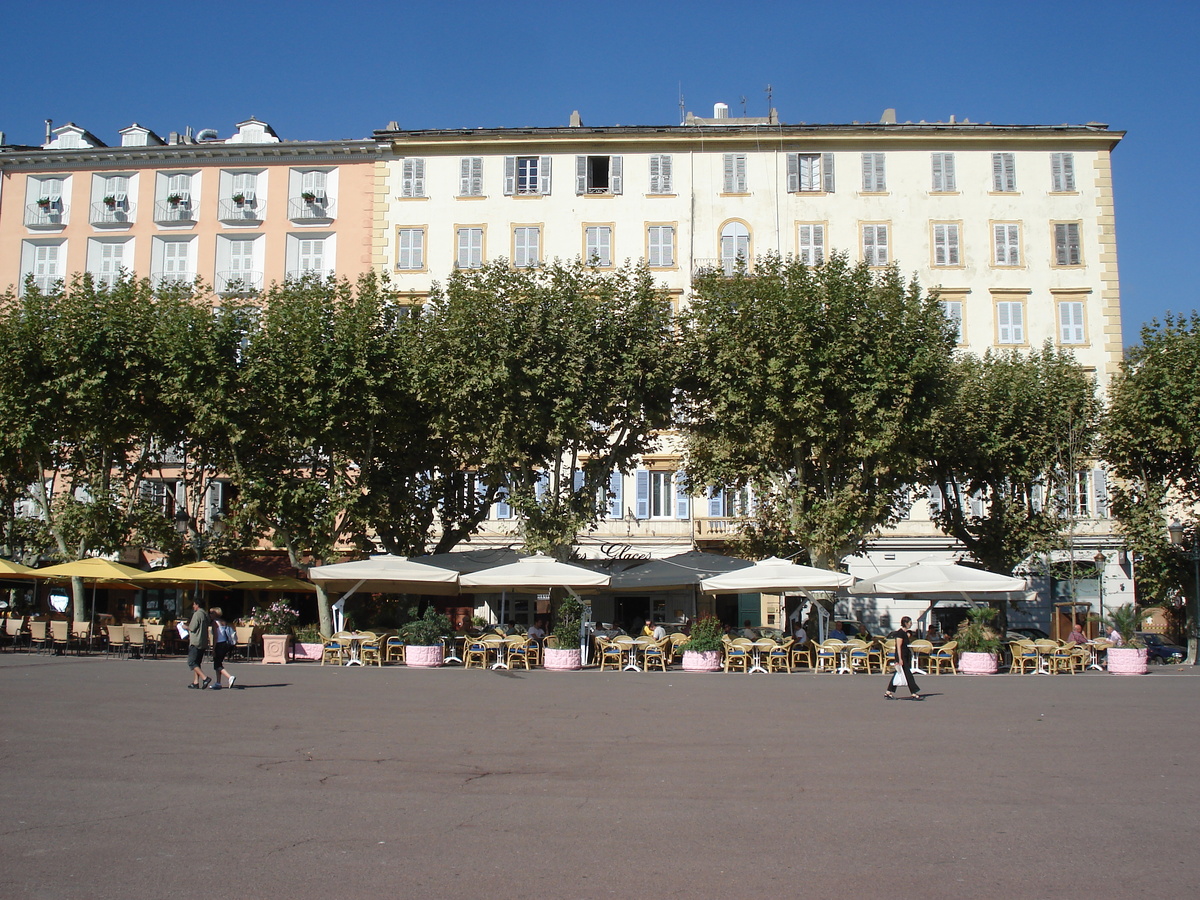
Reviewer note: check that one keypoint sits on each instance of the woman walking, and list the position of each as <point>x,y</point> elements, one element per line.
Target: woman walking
<point>903,637</point>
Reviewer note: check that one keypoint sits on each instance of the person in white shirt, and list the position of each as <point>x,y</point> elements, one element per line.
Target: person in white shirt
<point>659,632</point>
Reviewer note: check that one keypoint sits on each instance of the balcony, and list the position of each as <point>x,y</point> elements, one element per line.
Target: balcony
<point>249,211</point>
<point>116,214</point>
<point>179,213</point>
<point>320,209</point>
<point>173,281</point>
<point>52,216</point>
<point>725,267</point>
<point>46,284</point>
<point>298,274</point>
<point>238,282</point>
<point>714,530</point>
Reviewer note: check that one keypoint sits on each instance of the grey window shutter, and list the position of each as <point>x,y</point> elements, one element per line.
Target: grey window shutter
<point>818,244</point>
<point>935,499</point>
<point>510,175</point>
<point>997,172</point>
<point>716,503</point>
<point>827,171</point>
<point>793,172</point>
<point>1068,171</point>
<point>503,507</point>
<point>577,480</point>
<point>476,175</point>
<point>949,181</point>
<point>418,178</point>
<point>1100,493</point>
<point>464,176</point>
<point>939,177</point>
<point>614,175</point>
<point>543,175</point>
<point>615,500</point>
<point>642,501</point>
<point>682,501</point>
<point>581,175</point>
<point>664,174</point>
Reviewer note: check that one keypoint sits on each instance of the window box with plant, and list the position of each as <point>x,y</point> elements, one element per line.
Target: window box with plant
<point>565,655</point>
<point>175,199</point>
<point>1131,657</point>
<point>978,643</point>
<point>702,652</point>
<point>43,202</point>
<point>110,201</point>
<point>423,648</point>
<point>308,197</point>
<point>239,198</point>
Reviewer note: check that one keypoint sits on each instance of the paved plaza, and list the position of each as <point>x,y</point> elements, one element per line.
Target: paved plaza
<point>329,782</point>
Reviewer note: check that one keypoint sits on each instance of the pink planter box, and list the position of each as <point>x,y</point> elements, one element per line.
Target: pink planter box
<point>561,660</point>
<point>701,661</point>
<point>424,657</point>
<point>978,664</point>
<point>307,652</point>
<point>1127,661</point>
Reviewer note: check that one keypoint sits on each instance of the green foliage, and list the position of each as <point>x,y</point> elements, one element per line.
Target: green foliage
<point>308,634</point>
<point>817,385</point>
<point>1014,430</point>
<point>427,630</point>
<point>977,636</point>
<point>567,620</point>
<point>1127,622</point>
<point>705,635</point>
<point>547,380</point>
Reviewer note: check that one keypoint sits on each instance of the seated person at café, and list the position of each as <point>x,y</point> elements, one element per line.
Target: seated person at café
<point>836,633</point>
<point>748,632</point>
<point>800,634</point>
<point>536,632</point>
<point>1077,636</point>
<point>659,632</point>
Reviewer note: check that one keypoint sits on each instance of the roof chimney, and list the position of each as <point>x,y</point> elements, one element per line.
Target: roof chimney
<point>888,117</point>
<point>49,130</point>
<point>721,111</point>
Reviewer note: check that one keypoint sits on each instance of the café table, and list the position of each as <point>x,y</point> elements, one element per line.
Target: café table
<point>762,645</point>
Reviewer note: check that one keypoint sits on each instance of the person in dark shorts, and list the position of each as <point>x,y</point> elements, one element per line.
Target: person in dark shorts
<point>223,639</point>
<point>903,637</point>
<point>197,641</point>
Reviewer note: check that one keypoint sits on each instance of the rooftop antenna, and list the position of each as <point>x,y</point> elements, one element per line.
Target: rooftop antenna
<point>682,105</point>
<point>770,91</point>
<point>743,106</point>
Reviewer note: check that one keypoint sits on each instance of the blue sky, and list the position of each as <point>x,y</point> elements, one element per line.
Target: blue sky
<point>325,71</point>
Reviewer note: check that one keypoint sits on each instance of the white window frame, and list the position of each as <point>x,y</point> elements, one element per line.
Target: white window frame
<point>810,243</point>
<point>1004,173</point>
<point>410,248</point>
<point>660,174</point>
<point>107,258</point>
<point>166,263</point>
<point>598,246</point>
<point>527,176</point>
<point>735,244</point>
<point>412,177</point>
<point>1072,328</point>
<point>1068,245</point>
<point>311,253</point>
<point>527,246</point>
<point>733,170</point>
<point>584,175</point>
<point>660,246</point>
<point>45,261</point>
<point>469,243</point>
<point>1006,244</point>
<point>876,243</point>
<point>1010,322</point>
<point>470,176</point>
<point>1062,173</point>
<point>874,173</point>
<point>809,173</point>
<point>946,244</point>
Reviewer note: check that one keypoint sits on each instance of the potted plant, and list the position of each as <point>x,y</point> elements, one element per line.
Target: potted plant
<point>276,621</point>
<point>307,643</point>
<point>566,655</point>
<point>423,646</point>
<point>308,196</point>
<point>702,652</point>
<point>175,199</point>
<point>43,202</point>
<point>110,201</point>
<point>1131,657</point>
<point>239,198</point>
<point>978,644</point>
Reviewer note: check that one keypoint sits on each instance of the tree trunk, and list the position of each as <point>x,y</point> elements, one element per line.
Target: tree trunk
<point>324,610</point>
<point>79,600</point>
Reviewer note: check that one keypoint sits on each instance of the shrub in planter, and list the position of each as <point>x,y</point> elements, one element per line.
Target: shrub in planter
<point>1131,657</point>
<point>565,655</point>
<point>978,643</point>
<point>702,652</point>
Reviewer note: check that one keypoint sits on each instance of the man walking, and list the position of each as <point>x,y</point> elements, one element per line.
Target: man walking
<point>197,641</point>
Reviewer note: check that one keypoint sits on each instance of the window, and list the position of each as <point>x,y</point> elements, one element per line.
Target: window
<point>310,195</point>
<point>945,244</point>
<point>874,173</point>
<point>735,247</point>
<point>44,262</point>
<point>526,246</point>
<point>1004,172</point>
<point>105,261</point>
<point>470,176</point>
<point>172,261</point>
<point>660,174</point>
<point>660,496</point>
<point>953,311</point>
<point>1062,172</point>
<point>470,248</point>
<point>1070,322</point>
<point>240,201</point>
<point>875,244</point>
<point>310,256</point>
<point>110,200</point>
<point>314,182</point>
<point>729,503</point>
<point>412,178</point>
<point>410,248</point>
<point>612,500</point>
<point>810,172</point>
<point>44,203</point>
<point>526,175</point>
<point>1089,494</point>
<point>810,243</point>
<point>598,174</point>
<point>159,494</point>
<point>238,265</point>
<point>1010,322</point>
<point>660,246</point>
<point>245,186</point>
<point>734,173</point>
<point>1007,240</point>
<point>1067,251</point>
<point>943,172</point>
<point>174,203</point>
<point>598,245</point>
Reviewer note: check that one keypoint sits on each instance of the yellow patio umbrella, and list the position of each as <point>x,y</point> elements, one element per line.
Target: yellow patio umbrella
<point>10,569</point>
<point>284,583</point>
<point>95,570</point>
<point>209,572</point>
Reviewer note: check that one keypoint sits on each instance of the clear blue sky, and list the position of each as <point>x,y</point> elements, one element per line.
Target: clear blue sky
<point>340,70</point>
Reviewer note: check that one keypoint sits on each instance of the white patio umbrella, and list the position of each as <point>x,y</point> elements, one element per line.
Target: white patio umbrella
<point>773,576</point>
<point>385,575</point>
<point>938,576</point>
<point>533,574</point>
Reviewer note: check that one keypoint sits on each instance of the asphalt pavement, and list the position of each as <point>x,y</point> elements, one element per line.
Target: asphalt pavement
<point>310,781</point>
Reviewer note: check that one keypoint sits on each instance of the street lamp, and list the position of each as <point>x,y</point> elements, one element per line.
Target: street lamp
<point>1176,532</point>
<point>1101,562</point>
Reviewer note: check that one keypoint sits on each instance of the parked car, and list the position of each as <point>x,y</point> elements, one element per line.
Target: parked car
<point>1034,634</point>
<point>1159,650</point>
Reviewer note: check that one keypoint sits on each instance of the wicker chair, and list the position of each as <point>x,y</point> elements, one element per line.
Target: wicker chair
<point>1024,657</point>
<point>135,641</point>
<point>612,656</point>
<point>737,654</point>
<point>802,654</point>
<point>393,649</point>
<point>656,654</point>
<point>942,657</point>
<point>827,655</point>
<point>370,649</point>
<point>780,656</point>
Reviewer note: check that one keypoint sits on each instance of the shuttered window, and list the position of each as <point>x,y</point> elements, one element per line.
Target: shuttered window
<point>1067,251</point>
<point>810,243</point>
<point>1070,322</point>
<point>470,176</point>
<point>660,246</point>
<point>1010,322</point>
<point>470,248</point>
<point>735,247</point>
<point>526,175</point>
<point>311,255</point>
<point>526,246</point>
<point>874,173</point>
<point>734,169</point>
<point>175,265</point>
<point>875,244</point>
<point>945,244</point>
<point>953,311</point>
<point>598,174</point>
<point>412,178</point>
<point>314,182</point>
<point>244,183</point>
<point>1004,172</point>
<point>660,174</point>
<point>598,249</point>
<point>180,186</point>
<point>1062,172</point>
<point>410,248</point>
<point>1007,241</point>
<point>943,172</point>
<point>810,172</point>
